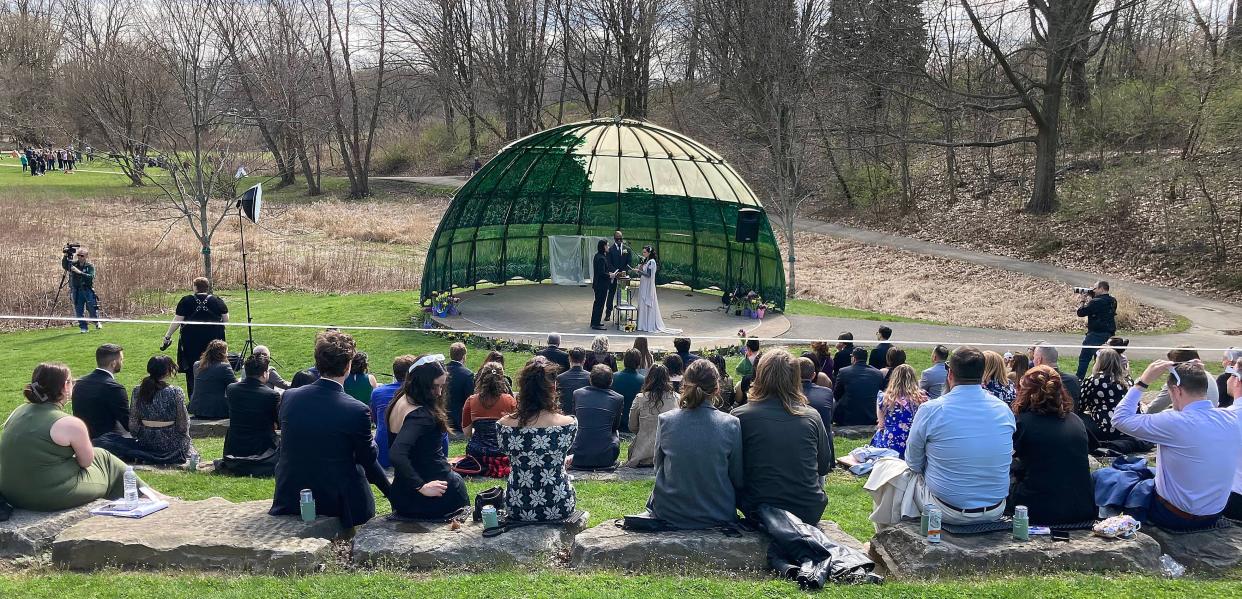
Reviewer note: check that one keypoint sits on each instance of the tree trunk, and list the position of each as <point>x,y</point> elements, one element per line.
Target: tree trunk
<point>1047,141</point>
<point>791,286</point>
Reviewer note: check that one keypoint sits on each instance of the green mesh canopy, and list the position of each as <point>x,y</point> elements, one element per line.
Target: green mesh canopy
<point>592,178</point>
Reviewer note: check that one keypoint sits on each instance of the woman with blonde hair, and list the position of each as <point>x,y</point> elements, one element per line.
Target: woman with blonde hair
<point>1102,392</point>
<point>995,379</point>
<point>785,447</point>
<point>599,354</point>
<point>901,399</point>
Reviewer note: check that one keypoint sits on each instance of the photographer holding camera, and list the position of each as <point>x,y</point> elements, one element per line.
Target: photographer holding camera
<point>1100,310</point>
<point>81,283</point>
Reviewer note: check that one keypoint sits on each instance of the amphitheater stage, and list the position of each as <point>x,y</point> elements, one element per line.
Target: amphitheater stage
<point>526,312</point>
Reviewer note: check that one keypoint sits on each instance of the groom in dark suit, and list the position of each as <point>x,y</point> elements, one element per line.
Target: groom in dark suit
<point>618,261</point>
<point>601,279</point>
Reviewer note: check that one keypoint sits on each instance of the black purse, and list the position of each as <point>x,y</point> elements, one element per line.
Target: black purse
<point>494,496</point>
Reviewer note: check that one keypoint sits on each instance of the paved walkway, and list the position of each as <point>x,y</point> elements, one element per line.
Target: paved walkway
<point>453,181</point>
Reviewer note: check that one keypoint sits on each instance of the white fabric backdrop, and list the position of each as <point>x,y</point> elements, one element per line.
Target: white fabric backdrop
<point>569,258</point>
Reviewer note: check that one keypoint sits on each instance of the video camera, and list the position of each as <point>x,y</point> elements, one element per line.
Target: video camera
<point>1087,291</point>
<point>71,250</point>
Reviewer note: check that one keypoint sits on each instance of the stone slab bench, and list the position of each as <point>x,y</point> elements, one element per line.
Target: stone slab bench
<point>858,431</point>
<point>609,547</point>
<point>28,533</point>
<point>1208,551</point>
<point>905,552</point>
<point>202,428</point>
<point>213,534</point>
<point>428,546</point>
<point>622,474</point>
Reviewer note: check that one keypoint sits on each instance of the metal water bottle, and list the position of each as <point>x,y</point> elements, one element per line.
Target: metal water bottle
<point>1021,523</point>
<point>307,504</point>
<point>192,465</point>
<point>923,519</point>
<point>490,518</point>
<point>933,525</point>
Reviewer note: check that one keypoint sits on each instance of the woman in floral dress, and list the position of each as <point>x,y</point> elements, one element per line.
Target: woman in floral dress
<point>996,379</point>
<point>537,437</point>
<point>898,403</point>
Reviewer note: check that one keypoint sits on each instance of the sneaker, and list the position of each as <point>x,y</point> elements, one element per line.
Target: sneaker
<point>98,325</point>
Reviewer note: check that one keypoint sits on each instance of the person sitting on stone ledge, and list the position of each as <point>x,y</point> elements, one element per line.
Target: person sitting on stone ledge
<point>855,391</point>
<point>98,399</point>
<point>676,369</point>
<point>727,392</point>
<point>1050,470</point>
<point>785,445</point>
<point>818,398</point>
<point>1102,392</point>
<point>1164,399</point>
<point>424,485</point>
<point>537,438</point>
<point>698,457</point>
<point>254,411</point>
<point>381,397</point>
<point>1233,508</point>
<point>47,462</point>
<point>598,412</point>
<point>274,380</point>
<point>1196,446</point>
<point>599,354</point>
<point>957,454</point>
<point>490,402</point>
<point>158,418</point>
<point>629,382</point>
<point>572,380</point>
<point>212,376</point>
<point>896,409</point>
<point>657,398</point>
<point>996,379</point>
<point>326,444</point>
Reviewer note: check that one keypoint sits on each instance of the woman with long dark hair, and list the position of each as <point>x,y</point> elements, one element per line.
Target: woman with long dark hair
<point>212,376</point>
<point>537,438</point>
<point>158,418</point>
<point>649,318</point>
<point>424,486</point>
<point>1051,471</point>
<point>644,352</point>
<point>657,397</point>
<point>360,382</point>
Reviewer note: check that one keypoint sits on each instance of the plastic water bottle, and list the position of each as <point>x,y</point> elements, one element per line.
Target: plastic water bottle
<point>490,518</point>
<point>1021,523</point>
<point>131,486</point>
<point>307,505</point>
<point>923,519</point>
<point>933,526</point>
<point>1170,567</point>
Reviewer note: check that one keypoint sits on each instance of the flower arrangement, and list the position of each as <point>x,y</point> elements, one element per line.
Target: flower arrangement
<point>443,303</point>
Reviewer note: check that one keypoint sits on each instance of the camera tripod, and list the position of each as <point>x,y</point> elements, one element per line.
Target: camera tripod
<point>64,278</point>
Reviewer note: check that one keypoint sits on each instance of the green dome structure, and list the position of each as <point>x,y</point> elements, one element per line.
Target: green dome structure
<point>592,178</point>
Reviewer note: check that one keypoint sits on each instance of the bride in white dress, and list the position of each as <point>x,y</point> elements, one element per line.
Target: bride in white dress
<point>649,319</point>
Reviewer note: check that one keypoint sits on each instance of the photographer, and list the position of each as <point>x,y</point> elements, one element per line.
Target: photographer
<point>1100,310</point>
<point>81,284</point>
<point>201,306</point>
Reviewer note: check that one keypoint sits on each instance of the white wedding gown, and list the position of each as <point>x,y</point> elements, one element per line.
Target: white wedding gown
<point>649,319</point>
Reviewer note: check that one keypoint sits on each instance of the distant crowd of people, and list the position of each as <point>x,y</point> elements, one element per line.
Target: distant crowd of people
<point>38,161</point>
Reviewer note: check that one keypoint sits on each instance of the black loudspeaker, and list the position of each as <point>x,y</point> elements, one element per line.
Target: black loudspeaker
<point>250,203</point>
<point>747,225</point>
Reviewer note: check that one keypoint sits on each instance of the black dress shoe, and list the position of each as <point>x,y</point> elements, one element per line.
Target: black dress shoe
<point>599,327</point>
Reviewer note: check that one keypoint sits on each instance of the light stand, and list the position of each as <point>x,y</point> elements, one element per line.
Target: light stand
<point>248,209</point>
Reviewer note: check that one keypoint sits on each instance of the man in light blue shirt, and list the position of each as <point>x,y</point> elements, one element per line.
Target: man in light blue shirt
<point>962,444</point>
<point>1196,446</point>
<point>933,379</point>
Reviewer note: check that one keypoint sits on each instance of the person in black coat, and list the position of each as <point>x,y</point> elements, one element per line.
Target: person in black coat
<point>879,355</point>
<point>326,444</point>
<point>855,392</point>
<point>818,398</point>
<point>424,486</point>
<point>254,411</point>
<point>601,281</point>
<point>1051,471</point>
<point>598,410</point>
<point>572,380</point>
<point>845,353</point>
<point>460,384</point>
<point>201,306</point>
<point>618,260</point>
<point>554,353</point>
<point>98,399</point>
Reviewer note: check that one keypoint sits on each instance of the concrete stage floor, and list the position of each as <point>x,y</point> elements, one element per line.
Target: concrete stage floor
<point>538,309</point>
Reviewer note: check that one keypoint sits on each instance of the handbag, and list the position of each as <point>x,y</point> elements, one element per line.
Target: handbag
<point>494,496</point>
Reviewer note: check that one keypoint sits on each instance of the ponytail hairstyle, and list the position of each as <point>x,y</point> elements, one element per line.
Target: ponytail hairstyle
<point>701,384</point>
<point>217,351</point>
<point>159,367</point>
<point>47,383</point>
<point>419,390</point>
<point>1041,391</point>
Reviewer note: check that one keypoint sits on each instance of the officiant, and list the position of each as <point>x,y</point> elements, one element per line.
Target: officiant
<point>601,279</point>
<point>618,262</point>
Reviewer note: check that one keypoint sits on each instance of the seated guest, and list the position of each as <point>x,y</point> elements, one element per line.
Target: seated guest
<point>568,382</point>
<point>360,382</point>
<point>1233,507</point>
<point>895,413</point>
<point>681,345</point>
<point>676,368</point>
<point>157,418</point>
<point>98,399</point>
<point>895,357</point>
<point>818,398</point>
<point>1046,355</point>
<point>726,400</point>
<point>326,443</point>
<point>597,408</point>
<point>821,379</point>
<point>1164,399</point>
<point>1050,471</point>
<point>303,378</point>
<point>821,354</point>
<point>212,376</point>
<point>461,383</point>
<point>1018,367</point>
<point>1196,446</point>
<point>1222,382</point>
<point>856,391</point>
<point>1102,392</point>
<point>933,379</point>
<point>274,380</point>
<point>423,486</point>
<point>750,355</point>
<point>644,352</point>
<point>47,462</point>
<point>537,438</point>
<point>957,454</point>
<point>628,383</point>
<point>995,379</point>
<point>491,402</point>
<point>657,398</point>
<point>879,355</point>
<point>698,457</point>
<point>554,353</point>
<point>845,353</point>
<point>381,397</point>
<point>599,354</point>
<point>785,447</point>
<point>254,411</point>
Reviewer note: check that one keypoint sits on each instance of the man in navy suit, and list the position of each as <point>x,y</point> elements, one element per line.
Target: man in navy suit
<point>461,384</point>
<point>326,443</point>
<point>618,260</point>
<point>98,399</point>
<point>601,280</point>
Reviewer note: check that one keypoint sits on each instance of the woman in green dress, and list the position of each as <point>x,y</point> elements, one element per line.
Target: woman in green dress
<point>47,462</point>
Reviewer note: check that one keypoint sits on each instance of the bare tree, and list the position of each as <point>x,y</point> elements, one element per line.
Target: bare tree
<point>30,40</point>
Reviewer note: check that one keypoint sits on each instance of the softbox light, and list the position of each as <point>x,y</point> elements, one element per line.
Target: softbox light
<point>251,202</point>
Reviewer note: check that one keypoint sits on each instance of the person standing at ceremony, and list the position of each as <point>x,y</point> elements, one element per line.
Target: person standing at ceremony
<point>201,306</point>
<point>601,282</point>
<point>649,318</point>
<point>618,262</point>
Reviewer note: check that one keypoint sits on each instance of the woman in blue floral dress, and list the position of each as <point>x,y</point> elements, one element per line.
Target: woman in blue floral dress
<point>537,437</point>
<point>897,405</point>
<point>996,379</point>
